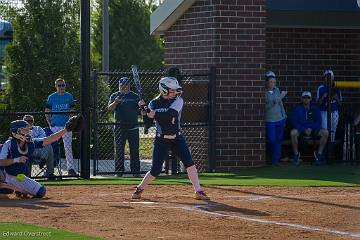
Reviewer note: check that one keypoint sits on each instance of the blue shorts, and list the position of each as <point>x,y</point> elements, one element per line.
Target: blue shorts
<point>161,152</point>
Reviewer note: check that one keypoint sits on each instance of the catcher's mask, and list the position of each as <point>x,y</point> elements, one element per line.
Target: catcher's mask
<point>167,83</point>
<point>20,130</point>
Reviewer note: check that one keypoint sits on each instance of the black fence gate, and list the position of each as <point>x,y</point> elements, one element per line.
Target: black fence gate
<point>197,121</point>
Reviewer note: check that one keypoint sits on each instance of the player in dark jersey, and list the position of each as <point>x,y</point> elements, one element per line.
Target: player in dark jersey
<point>166,110</point>
<point>15,159</point>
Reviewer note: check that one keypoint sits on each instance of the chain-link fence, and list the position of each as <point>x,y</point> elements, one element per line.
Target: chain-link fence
<point>194,123</point>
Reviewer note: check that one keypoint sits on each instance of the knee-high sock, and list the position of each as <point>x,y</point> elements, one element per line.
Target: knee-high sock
<point>146,180</point>
<point>194,178</point>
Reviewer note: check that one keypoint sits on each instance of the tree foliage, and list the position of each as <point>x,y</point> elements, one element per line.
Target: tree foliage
<point>130,40</point>
<point>45,47</point>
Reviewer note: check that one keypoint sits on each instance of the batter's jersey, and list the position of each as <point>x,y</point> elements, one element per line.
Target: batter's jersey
<point>161,105</point>
<point>11,150</point>
<point>60,103</point>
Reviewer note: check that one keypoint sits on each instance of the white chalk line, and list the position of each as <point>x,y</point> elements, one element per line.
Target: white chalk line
<point>145,202</point>
<point>264,197</point>
<point>196,208</point>
<point>293,225</point>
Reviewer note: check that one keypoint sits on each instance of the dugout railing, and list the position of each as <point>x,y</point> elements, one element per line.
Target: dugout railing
<point>197,123</point>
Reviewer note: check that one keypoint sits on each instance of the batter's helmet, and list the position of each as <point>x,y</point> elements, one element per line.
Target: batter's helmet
<point>16,126</point>
<point>167,83</point>
<point>270,75</point>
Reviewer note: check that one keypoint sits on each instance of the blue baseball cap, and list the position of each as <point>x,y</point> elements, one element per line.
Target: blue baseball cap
<point>124,81</point>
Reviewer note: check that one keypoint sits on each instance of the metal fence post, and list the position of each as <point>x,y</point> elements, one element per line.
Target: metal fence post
<point>212,119</point>
<point>95,126</point>
<point>85,87</point>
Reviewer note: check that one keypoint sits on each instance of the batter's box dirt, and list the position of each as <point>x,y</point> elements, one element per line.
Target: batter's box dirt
<point>171,212</point>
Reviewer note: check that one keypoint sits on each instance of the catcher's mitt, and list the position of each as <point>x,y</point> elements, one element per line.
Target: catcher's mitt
<point>75,123</point>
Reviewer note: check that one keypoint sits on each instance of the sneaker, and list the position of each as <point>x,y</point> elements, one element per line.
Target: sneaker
<point>137,193</point>
<point>118,175</point>
<point>72,173</point>
<point>296,159</point>
<point>318,158</point>
<point>6,191</point>
<point>201,195</point>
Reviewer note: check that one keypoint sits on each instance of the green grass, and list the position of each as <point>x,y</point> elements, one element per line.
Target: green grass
<point>27,231</point>
<point>266,176</point>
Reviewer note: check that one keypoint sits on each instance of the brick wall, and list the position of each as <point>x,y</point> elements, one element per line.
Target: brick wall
<point>299,57</point>
<point>231,36</point>
<point>190,43</point>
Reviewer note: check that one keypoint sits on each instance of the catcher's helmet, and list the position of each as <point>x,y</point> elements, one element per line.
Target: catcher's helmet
<point>270,75</point>
<point>16,126</point>
<point>329,73</point>
<point>167,83</point>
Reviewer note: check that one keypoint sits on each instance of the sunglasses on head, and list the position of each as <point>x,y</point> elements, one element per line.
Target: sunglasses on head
<point>60,85</point>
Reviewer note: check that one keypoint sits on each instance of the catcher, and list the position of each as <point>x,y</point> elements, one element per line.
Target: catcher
<point>15,156</point>
<point>166,110</point>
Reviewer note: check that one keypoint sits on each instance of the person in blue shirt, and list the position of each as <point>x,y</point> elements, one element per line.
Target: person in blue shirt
<point>61,101</point>
<point>275,117</point>
<point>15,159</point>
<point>124,104</point>
<point>166,110</point>
<point>306,122</point>
<point>44,155</point>
<point>322,100</point>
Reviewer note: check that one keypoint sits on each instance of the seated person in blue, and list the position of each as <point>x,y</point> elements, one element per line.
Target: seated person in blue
<point>306,122</point>
<point>15,159</point>
<point>42,155</point>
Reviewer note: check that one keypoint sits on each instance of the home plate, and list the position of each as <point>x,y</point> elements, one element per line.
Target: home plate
<point>142,202</point>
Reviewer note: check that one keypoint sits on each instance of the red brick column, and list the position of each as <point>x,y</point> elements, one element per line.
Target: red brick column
<point>231,36</point>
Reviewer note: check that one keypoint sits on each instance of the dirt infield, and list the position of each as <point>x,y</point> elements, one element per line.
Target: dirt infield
<point>170,212</point>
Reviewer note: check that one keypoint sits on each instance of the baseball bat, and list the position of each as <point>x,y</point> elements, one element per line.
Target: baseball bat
<point>344,143</point>
<point>137,82</point>
<point>349,143</point>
